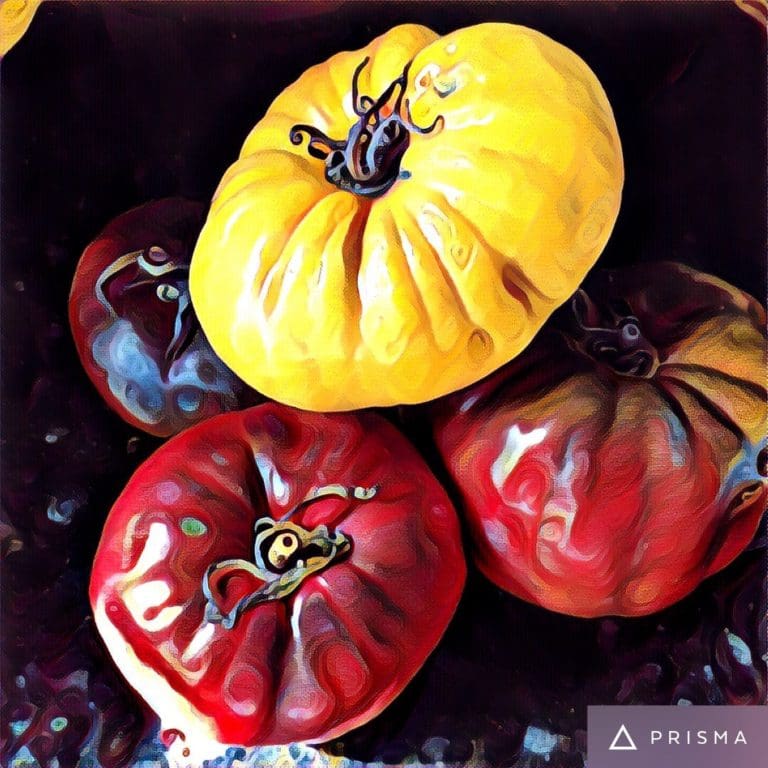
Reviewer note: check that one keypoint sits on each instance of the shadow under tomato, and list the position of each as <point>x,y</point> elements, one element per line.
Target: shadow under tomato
<point>512,681</point>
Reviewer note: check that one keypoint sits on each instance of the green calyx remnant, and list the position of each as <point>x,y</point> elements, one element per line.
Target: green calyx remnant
<point>191,526</point>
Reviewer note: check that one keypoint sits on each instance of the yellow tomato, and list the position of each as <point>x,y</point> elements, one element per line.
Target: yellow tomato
<point>15,18</point>
<point>401,247</point>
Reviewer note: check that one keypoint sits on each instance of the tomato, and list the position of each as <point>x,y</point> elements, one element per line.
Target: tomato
<point>618,461</point>
<point>427,201</point>
<point>273,576</point>
<point>134,327</point>
<point>15,18</point>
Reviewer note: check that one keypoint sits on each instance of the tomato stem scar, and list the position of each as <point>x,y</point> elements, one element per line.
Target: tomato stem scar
<point>144,268</point>
<point>368,162</point>
<point>616,341</point>
<point>284,555</point>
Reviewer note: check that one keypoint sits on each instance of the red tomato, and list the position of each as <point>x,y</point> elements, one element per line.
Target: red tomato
<point>134,327</point>
<point>272,576</point>
<point>617,462</point>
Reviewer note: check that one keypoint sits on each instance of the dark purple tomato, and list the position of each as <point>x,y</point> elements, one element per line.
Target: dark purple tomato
<point>134,327</point>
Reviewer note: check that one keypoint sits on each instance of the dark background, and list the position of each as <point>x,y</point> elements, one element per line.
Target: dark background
<point>107,105</point>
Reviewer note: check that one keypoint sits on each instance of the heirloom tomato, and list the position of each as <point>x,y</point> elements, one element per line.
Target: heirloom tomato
<point>620,459</point>
<point>427,201</point>
<point>271,576</point>
<point>134,327</point>
<point>15,18</point>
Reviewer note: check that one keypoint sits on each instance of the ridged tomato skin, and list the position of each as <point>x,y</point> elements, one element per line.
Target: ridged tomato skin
<point>504,198</point>
<point>324,659</point>
<point>591,492</point>
<point>146,355</point>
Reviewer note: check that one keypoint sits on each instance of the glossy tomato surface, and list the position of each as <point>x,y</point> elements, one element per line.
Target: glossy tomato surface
<point>134,327</point>
<point>427,200</point>
<point>306,666</point>
<point>621,459</point>
<point>107,105</point>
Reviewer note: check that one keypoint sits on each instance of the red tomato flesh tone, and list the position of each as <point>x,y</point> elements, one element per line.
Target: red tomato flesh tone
<point>620,459</point>
<point>187,588</point>
<point>134,327</point>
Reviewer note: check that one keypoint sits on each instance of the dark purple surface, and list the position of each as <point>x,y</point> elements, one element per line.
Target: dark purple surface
<point>134,327</point>
<point>106,106</point>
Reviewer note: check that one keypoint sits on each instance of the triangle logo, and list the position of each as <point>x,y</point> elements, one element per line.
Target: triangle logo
<point>622,741</point>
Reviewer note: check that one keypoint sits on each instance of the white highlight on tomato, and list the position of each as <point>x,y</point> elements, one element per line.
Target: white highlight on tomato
<point>219,459</point>
<point>130,535</point>
<point>516,444</point>
<point>156,547</point>
<point>164,618</point>
<point>468,403</point>
<point>231,221</point>
<point>375,283</point>
<point>298,604</point>
<point>563,505</point>
<point>172,708</point>
<point>234,691</point>
<point>318,117</point>
<point>168,492</point>
<point>149,594</point>
<point>437,227</point>
<point>279,488</point>
<point>467,117</point>
<point>452,194</point>
<point>496,534</point>
<point>559,512</point>
<point>200,641</point>
<point>300,714</point>
<point>139,597</point>
<point>271,477</point>
<point>247,308</point>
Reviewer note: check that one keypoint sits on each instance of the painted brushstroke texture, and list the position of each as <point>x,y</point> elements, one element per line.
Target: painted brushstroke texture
<point>622,458</point>
<point>134,326</point>
<point>323,659</point>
